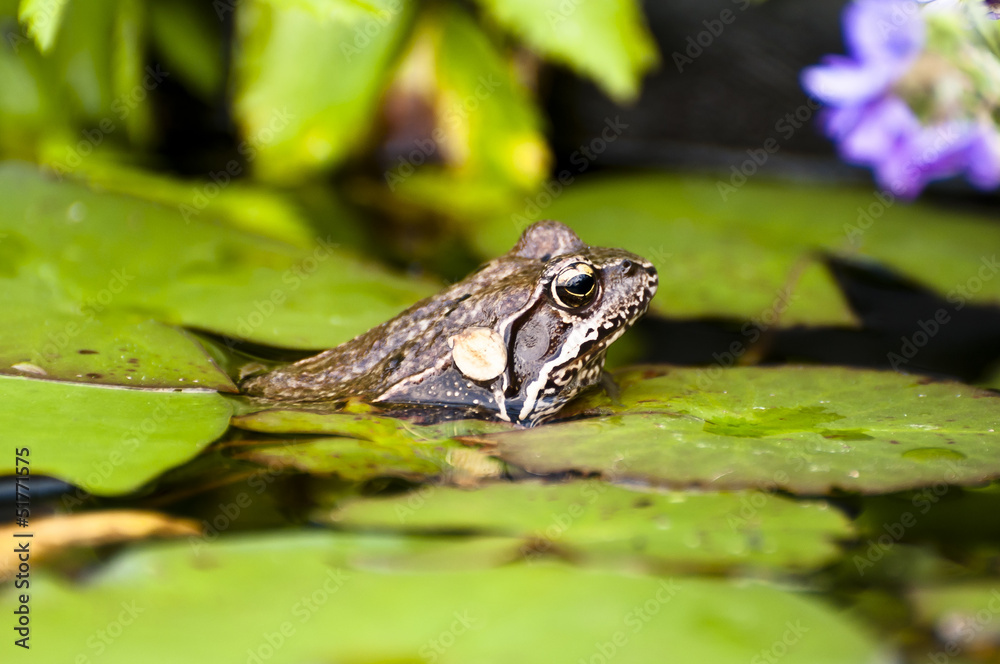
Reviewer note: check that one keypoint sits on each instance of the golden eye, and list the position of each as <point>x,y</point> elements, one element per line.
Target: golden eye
<point>575,286</point>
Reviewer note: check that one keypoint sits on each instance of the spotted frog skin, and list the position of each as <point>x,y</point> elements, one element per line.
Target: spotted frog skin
<point>545,312</point>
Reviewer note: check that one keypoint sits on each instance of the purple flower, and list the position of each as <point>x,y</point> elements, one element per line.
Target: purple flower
<point>873,126</point>
<point>884,38</point>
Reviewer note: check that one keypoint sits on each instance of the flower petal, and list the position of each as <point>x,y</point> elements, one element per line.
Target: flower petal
<point>882,133</point>
<point>887,32</point>
<point>841,81</point>
<point>984,159</point>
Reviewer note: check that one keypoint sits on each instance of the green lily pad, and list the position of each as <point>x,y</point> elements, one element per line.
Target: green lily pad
<point>253,209</point>
<point>292,598</point>
<point>807,430</point>
<point>113,252</point>
<point>606,41</point>
<point>359,447</point>
<point>595,521</point>
<point>106,441</point>
<point>42,337</point>
<point>363,425</point>
<point>297,125</point>
<point>351,459</point>
<point>746,253</point>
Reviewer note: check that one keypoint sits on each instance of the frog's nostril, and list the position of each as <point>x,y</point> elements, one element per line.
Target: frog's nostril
<point>628,267</point>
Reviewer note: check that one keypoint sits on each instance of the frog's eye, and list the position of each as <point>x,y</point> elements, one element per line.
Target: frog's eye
<point>575,286</point>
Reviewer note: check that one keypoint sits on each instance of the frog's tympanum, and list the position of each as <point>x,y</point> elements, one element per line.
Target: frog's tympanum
<point>520,337</point>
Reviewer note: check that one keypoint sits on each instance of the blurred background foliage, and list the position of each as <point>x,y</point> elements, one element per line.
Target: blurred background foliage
<point>308,88</point>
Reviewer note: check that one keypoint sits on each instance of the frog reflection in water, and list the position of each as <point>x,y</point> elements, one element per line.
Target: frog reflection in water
<point>520,337</point>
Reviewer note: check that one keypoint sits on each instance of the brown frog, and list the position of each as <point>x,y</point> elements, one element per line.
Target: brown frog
<point>519,337</point>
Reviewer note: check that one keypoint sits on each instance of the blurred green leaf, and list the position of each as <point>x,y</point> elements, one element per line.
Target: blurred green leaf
<point>220,197</point>
<point>31,107</point>
<point>292,598</point>
<point>83,60</point>
<point>190,40</point>
<point>348,10</point>
<point>42,19</point>
<point>487,133</point>
<point>804,430</point>
<point>295,119</point>
<point>107,441</point>
<point>607,41</point>
<point>594,521</point>
<point>199,274</point>
<point>128,61</point>
<point>88,98</point>
<point>747,253</point>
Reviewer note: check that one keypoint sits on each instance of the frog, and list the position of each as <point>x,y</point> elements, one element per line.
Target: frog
<point>515,340</point>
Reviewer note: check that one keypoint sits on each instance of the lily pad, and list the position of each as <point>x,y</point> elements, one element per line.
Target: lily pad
<point>350,459</point>
<point>319,607</point>
<point>107,441</point>
<point>362,425</point>
<point>360,447</point>
<point>807,430</point>
<point>42,337</point>
<point>593,520</point>
<point>253,209</point>
<point>746,253</point>
<point>123,254</point>
<point>606,41</point>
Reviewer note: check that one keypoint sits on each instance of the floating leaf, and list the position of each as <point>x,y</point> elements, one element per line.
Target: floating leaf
<point>297,597</point>
<point>361,447</point>
<point>360,425</point>
<point>297,125</point>
<point>44,337</point>
<point>594,520</point>
<point>606,41</point>
<point>82,245</point>
<point>746,253</point>
<point>804,430</point>
<point>222,197</point>
<point>106,441</point>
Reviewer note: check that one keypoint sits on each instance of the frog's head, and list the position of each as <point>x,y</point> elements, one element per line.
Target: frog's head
<point>585,299</point>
